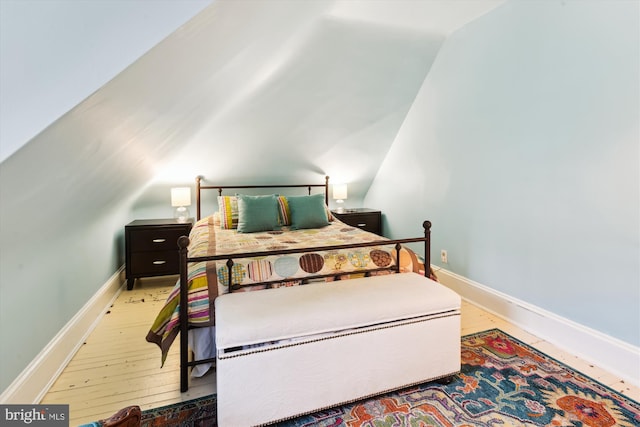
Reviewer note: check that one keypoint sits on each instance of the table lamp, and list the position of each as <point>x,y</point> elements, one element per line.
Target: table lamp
<point>339,194</point>
<point>180,199</point>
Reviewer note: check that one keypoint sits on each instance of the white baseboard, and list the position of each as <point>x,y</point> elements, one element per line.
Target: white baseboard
<point>609,353</point>
<point>36,379</point>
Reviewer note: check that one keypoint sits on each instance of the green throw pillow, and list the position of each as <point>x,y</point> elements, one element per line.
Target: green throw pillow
<point>307,211</point>
<point>257,213</point>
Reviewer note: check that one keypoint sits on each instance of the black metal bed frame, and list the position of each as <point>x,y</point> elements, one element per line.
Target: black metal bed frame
<point>185,260</point>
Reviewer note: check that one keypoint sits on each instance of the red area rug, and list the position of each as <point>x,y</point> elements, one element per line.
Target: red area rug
<point>503,382</point>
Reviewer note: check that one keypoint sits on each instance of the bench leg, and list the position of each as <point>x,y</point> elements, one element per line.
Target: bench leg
<point>446,380</point>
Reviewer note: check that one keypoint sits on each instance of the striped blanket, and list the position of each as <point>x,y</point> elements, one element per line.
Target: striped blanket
<point>209,279</point>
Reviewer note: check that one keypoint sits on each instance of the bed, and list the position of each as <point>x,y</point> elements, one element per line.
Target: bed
<point>264,241</point>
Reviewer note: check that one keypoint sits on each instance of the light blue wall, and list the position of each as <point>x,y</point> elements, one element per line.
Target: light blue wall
<point>522,147</point>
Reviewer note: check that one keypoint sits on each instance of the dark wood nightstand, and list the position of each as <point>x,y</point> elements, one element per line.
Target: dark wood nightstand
<point>151,247</point>
<point>367,219</point>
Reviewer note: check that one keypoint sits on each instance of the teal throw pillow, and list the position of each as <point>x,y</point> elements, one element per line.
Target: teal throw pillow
<point>257,213</point>
<point>308,211</point>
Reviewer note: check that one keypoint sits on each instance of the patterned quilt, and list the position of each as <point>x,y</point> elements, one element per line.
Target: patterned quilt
<point>209,279</point>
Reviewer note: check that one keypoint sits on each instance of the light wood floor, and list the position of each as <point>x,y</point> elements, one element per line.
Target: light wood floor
<point>116,367</point>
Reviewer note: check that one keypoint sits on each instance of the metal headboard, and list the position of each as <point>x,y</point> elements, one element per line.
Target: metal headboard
<point>220,188</point>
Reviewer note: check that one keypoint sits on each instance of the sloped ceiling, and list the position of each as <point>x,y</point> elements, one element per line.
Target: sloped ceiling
<point>246,86</point>
<point>313,88</point>
<point>328,100</point>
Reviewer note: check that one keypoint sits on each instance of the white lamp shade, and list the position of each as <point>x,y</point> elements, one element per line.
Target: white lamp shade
<point>340,191</point>
<point>181,196</point>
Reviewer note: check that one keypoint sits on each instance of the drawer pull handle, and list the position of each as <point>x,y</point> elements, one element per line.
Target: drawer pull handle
<point>159,240</point>
<point>362,224</point>
<point>159,262</point>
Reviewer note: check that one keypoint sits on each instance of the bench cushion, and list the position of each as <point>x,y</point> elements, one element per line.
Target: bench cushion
<point>248,318</point>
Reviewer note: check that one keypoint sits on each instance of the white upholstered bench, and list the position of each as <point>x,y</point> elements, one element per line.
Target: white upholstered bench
<point>330,343</point>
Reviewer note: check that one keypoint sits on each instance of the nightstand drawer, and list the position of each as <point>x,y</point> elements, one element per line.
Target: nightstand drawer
<point>154,263</point>
<point>367,219</point>
<point>367,222</point>
<point>151,239</point>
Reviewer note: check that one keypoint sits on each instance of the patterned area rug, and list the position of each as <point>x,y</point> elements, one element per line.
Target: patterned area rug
<point>503,382</point>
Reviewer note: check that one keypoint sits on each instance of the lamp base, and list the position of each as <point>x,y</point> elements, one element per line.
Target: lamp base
<point>181,214</point>
<point>340,207</point>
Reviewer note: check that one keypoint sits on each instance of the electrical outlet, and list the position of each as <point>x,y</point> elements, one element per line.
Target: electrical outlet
<point>443,256</point>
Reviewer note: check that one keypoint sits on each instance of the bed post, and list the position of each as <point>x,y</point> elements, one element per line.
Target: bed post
<point>183,242</point>
<point>326,190</point>
<point>427,248</point>
<point>198,178</point>
<point>230,271</point>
